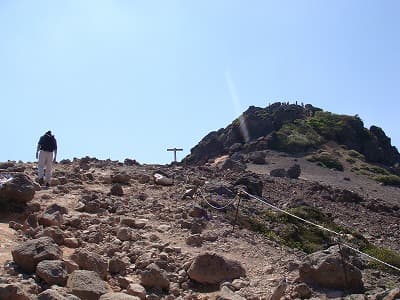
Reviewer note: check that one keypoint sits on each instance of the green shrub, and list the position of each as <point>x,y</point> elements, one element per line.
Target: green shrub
<point>327,124</point>
<point>327,160</point>
<point>350,160</point>
<point>386,255</point>
<point>297,137</point>
<point>388,179</point>
<point>355,154</point>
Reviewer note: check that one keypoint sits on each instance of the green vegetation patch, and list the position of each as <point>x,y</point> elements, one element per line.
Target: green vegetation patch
<point>325,159</point>
<point>355,154</point>
<point>386,255</point>
<point>297,137</point>
<point>393,180</point>
<point>327,124</point>
<point>294,233</point>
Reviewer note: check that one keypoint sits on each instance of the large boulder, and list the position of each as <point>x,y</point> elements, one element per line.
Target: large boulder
<point>91,261</point>
<point>257,157</point>
<point>253,184</point>
<point>28,254</point>
<point>12,291</point>
<point>52,272</point>
<point>53,215</point>
<point>210,268</point>
<point>87,285</point>
<point>328,270</point>
<point>18,188</point>
<point>121,178</point>
<point>154,277</point>
<point>293,171</point>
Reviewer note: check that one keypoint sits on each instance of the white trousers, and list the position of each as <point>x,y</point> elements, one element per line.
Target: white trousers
<point>45,163</point>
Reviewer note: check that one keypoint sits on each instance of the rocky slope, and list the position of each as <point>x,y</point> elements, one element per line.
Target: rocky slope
<point>111,230</point>
<point>294,129</point>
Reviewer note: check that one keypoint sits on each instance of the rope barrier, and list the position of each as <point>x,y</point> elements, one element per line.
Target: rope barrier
<point>215,207</point>
<point>322,228</point>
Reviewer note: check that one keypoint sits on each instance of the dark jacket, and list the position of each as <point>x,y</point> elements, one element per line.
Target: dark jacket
<point>48,143</point>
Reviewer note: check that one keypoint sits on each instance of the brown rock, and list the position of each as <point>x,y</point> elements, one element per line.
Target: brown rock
<point>12,291</point>
<point>87,285</point>
<point>90,261</point>
<point>52,272</point>
<point>137,290</point>
<point>210,268</point>
<point>28,254</point>
<point>19,188</point>
<point>154,277</point>
<point>116,190</point>
<point>325,268</point>
<point>118,296</point>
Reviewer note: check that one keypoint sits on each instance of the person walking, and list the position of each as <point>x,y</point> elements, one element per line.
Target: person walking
<point>44,153</point>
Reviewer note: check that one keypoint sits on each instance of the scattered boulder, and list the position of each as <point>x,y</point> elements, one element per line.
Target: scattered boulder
<point>154,277</point>
<point>278,172</point>
<point>228,294</point>
<point>136,289</point>
<point>87,285</point>
<point>211,268</point>
<point>116,190</point>
<point>294,171</point>
<point>253,184</point>
<point>162,180</point>
<point>90,261</point>
<point>302,291</point>
<point>55,233</point>
<point>130,162</point>
<point>279,291</point>
<point>12,291</point>
<point>18,188</point>
<point>6,165</point>
<point>118,296</point>
<point>121,178</point>
<point>198,212</point>
<point>126,234</point>
<point>194,240</point>
<point>257,157</point>
<point>52,272</point>
<point>28,254</point>
<point>325,268</point>
<point>51,294</point>
<point>393,294</point>
<point>53,215</point>
<point>231,164</point>
<point>220,188</point>
<point>118,265</point>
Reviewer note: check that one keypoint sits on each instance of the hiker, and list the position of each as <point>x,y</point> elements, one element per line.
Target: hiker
<point>46,146</point>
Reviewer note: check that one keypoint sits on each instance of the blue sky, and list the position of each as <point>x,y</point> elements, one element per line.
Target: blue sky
<point>117,79</point>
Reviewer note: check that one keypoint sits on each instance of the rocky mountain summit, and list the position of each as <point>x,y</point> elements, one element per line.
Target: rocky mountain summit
<point>112,230</point>
<point>294,129</point>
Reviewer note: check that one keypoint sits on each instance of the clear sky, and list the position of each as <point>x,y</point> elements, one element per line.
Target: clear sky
<point>125,78</point>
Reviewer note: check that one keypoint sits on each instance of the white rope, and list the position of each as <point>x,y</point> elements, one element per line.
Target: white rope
<point>215,207</point>
<point>322,228</point>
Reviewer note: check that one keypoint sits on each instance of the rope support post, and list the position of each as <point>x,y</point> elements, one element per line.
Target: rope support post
<point>236,214</point>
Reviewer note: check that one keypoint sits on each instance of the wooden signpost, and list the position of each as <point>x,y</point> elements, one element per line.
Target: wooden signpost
<point>175,150</point>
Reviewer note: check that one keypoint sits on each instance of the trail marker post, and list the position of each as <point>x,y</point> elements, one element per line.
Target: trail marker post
<point>175,150</point>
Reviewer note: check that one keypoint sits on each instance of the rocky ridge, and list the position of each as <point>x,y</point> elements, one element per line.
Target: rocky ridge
<point>294,128</point>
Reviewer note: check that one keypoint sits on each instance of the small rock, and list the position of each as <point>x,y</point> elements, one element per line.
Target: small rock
<point>116,190</point>
<point>138,290</point>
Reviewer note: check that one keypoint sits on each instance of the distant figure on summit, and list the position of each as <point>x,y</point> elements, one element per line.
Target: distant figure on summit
<point>46,146</point>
